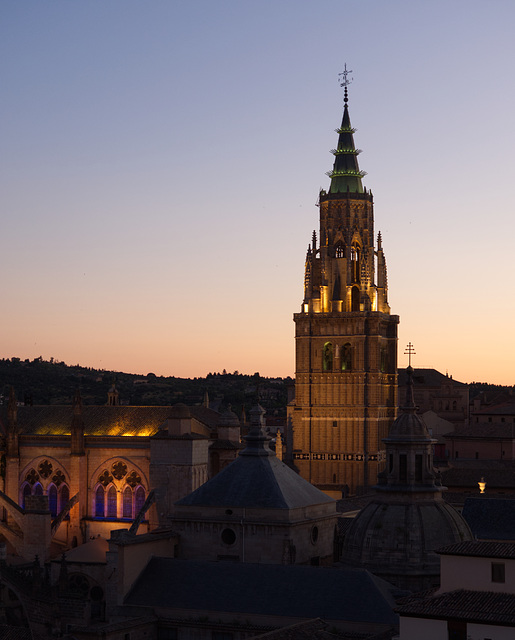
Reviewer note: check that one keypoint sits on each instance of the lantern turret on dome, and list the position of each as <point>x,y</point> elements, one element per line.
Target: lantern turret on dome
<point>395,536</point>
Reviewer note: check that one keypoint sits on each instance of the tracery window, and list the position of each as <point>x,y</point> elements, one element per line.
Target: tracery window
<point>355,256</point>
<point>127,503</point>
<point>65,496</point>
<point>139,500</point>
<point>99,502</point>
<point>339,250</point>
<point>27,491</point>
<point>111,503</point>
<point>119,492</point>
<point>52,500</point>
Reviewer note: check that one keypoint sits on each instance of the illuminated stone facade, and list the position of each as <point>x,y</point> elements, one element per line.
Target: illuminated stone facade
<point>346,339</point>
<point>72,474</point>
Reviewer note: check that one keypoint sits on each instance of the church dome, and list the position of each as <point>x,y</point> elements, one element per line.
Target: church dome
<point>396,540</point>
<point>407,424</point>
<point>396,535</point>
<point>229,418</point>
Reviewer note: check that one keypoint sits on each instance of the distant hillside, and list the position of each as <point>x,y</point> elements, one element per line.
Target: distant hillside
<point>51,382</point>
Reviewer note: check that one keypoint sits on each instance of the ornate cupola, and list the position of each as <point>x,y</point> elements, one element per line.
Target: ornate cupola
<point>409,451</point>
<point>346,339</point>
<point>395,536</point>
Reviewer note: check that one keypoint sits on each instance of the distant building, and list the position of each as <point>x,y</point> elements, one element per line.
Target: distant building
<point>476,599</point>
<point>439,393</point>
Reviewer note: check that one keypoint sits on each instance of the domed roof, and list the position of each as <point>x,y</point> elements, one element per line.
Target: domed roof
<point>396,535</point>
<point>229,418</point>
<point>397,540</point>
<point>408,425</point>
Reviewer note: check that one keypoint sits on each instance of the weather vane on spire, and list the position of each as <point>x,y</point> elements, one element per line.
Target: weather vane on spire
<point>345,81</point>
<point>410,351</point>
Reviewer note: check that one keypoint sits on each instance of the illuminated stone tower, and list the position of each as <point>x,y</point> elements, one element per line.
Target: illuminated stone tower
<point>346,339</point>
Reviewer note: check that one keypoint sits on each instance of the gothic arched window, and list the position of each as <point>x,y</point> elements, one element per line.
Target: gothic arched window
<point>111,502</point>
<point>355,256</point>
<point>65,496</point>
<point>99,502</point>
<point>346,357</point>
<point>327,357</point>
<point>26,492</point>
<point>355,299</point>
<point>38,490</point>
<point>339,250</point>
<point>127,503</point>
<point>52,500</point>
<point>139,499</point>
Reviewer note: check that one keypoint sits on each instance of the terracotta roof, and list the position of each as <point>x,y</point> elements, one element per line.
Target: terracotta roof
<point>483,430</point>
<point>480,549</point>
<point>101,420</point>
<point>427,377</point>
<point>506,408</point>
<point>472,606</point>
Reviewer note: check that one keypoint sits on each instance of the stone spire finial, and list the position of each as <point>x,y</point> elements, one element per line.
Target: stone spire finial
<point>257,440</point>
<point>77,430</point>
<point>12,407</point>
<point>77,403</point>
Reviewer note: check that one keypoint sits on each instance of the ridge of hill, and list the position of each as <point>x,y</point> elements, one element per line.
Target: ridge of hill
<point>44,382</point>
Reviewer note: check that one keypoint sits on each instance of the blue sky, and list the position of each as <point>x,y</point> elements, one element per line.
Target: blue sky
<point>161,162</point>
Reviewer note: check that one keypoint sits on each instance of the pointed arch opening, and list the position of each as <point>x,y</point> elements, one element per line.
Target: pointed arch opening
<point>339,250</point>
<point>99,502</point>
<point>346,357</point>
<point>52,500</point>
<point>355,257</point>
<point>327,357</point>
<point>26,491</point>
<point>355,299</point>
<point>111,502</point>
<point>127,502</point>
<point>139,500</point>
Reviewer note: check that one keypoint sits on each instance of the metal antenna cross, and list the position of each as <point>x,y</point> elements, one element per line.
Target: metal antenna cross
<point>410,351</point>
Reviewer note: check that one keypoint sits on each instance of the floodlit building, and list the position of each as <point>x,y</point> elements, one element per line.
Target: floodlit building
<point>345,338</point>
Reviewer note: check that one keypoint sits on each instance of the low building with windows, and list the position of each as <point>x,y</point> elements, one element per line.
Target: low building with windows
<point>476,599</point>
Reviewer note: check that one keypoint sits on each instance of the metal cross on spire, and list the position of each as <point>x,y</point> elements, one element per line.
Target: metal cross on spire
<point>410,351</point>
<point>345,81</point>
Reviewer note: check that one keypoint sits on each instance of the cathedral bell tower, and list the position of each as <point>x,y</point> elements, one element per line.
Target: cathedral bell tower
<point>346,339</point>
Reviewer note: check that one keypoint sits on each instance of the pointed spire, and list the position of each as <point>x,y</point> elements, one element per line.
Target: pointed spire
<point>346,175</point>
<point>13,449</point>
<point>77,403</point>
<point>77,430</point>
<point>409,405</point>
<point>12,408</point>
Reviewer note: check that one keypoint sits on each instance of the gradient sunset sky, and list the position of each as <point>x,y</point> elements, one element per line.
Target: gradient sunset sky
<point>161,161</point>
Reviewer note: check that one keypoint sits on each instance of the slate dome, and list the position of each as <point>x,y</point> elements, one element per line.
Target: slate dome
<point>395,536</point>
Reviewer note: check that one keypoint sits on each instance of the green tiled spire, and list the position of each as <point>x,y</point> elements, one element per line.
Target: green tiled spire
<point>346,175</point>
